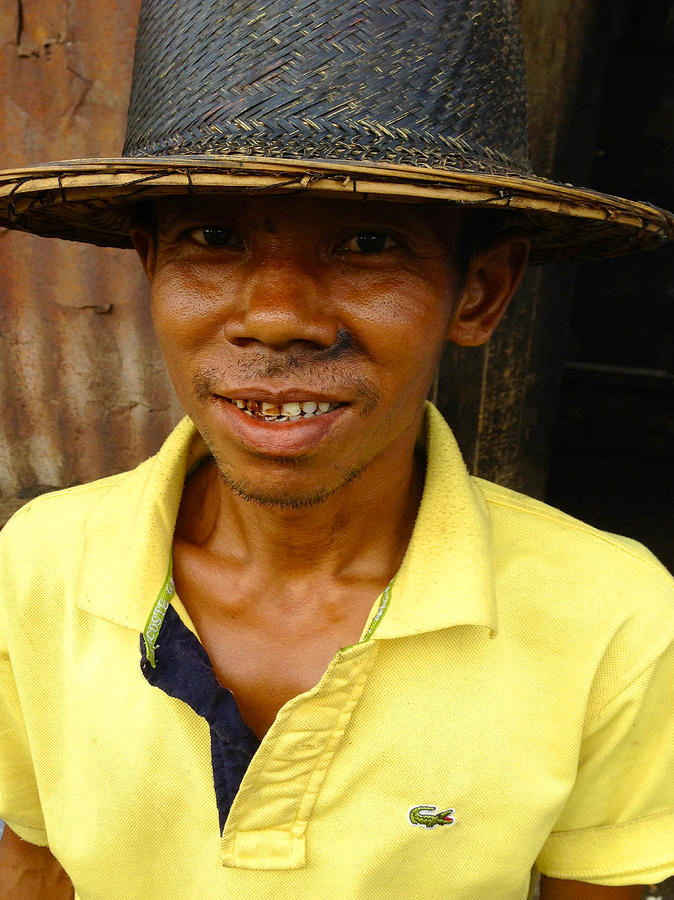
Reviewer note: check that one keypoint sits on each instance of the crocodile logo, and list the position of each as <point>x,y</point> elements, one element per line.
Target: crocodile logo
<point>430,816</point>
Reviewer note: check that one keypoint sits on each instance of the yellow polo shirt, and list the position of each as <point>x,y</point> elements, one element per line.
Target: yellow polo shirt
<point>510,704</point>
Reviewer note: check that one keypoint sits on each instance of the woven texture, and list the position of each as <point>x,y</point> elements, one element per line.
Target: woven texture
<point>94,200</point>
<point>407,100</point>
<point>427,83</point>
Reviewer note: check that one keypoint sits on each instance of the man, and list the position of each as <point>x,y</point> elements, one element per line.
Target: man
<point>300,652</point>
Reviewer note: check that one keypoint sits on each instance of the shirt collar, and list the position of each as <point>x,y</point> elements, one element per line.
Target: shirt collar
<point>445,578</point>
<point>128,536</point>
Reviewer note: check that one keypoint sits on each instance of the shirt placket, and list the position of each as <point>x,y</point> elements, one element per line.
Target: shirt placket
<point>266,826</point>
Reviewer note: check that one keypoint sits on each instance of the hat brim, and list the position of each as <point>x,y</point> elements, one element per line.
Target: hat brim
<point>93,200</point>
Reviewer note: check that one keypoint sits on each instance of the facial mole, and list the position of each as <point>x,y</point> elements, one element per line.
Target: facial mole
<point>269,226</point>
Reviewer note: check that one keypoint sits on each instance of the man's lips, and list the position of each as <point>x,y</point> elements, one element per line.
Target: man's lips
<point>284,411</point>
<point>278,435</point>
<point>279,395</point>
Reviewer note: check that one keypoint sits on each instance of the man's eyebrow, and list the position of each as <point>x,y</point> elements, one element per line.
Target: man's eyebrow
<point>167,218</point>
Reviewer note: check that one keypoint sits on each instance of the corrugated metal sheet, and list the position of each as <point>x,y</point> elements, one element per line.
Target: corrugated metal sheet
<point>83,387</point>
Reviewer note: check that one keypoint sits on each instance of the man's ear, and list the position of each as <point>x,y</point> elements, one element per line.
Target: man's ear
<point>493,276</point>
<point>146,248</point>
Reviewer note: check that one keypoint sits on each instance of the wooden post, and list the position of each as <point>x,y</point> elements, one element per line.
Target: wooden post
<point>501,399</point>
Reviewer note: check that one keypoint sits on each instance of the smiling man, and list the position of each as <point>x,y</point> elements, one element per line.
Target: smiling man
<point>263,306</point>
<point>302,336</point>
<point>301,652</point>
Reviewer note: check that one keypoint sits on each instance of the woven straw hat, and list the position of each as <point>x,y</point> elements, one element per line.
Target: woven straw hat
<point>409,100</point>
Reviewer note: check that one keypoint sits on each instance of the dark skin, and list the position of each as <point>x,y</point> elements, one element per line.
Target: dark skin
<point>276,587</point>
<point>28,872</point>
<point>263,637</point>
<point>275,555</point>
<point>558,889</point>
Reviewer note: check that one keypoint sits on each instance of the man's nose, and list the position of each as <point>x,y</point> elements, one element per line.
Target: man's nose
<point>281,302</point>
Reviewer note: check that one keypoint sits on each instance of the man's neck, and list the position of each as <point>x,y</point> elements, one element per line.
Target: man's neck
<point>359,532</point>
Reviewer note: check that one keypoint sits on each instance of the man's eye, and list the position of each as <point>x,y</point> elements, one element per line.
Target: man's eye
<point>369,242</point>
<point>215,236</point>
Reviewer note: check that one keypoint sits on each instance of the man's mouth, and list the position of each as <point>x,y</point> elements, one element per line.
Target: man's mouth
<point>292,411</point>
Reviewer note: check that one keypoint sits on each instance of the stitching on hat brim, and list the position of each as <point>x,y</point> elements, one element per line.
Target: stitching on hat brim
<point>92,200</point>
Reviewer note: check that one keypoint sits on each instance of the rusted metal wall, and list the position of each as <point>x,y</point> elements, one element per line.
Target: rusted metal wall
<point>82,385</point>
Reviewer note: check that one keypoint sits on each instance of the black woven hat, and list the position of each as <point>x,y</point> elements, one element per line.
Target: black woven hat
<point>412,100</point>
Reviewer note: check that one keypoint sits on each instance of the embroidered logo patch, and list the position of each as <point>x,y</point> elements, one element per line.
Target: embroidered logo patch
<point>430,816</point>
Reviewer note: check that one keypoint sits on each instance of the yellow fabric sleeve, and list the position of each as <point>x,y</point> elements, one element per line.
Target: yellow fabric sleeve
<point>617,827</point>
<point>19,799</point>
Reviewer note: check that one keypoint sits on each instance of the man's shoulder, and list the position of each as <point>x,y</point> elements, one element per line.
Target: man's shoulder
<point>52,539</point>
<point>576,561</point>
<point>521,512</point>
<point>113,501</point>
<point>58,513</point>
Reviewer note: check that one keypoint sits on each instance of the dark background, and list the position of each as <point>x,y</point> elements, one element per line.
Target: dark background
<point>612,460</point>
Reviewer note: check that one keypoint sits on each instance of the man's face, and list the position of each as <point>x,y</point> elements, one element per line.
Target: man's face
<point>302,334</point>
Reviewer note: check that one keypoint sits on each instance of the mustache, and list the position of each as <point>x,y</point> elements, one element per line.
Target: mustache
<point>298,357</point>
<point>315,366</point>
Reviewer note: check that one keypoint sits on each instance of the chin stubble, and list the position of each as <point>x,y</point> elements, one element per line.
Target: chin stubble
<point>280,500</point>
<point>319,369</point>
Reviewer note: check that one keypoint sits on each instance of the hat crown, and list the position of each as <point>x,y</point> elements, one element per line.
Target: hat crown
<point>430,83</point>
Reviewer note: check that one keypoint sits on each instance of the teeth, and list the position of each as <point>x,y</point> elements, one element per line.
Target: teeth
<point>291,409</point>
<point>286,412</point>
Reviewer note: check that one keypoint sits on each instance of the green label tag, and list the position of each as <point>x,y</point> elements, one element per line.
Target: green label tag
<point>379,615</point>
<point>156,617</point>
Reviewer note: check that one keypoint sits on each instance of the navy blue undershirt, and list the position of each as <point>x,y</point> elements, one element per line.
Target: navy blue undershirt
<point>184,671</point>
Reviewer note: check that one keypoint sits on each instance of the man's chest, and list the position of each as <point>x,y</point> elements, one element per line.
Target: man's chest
<point>347,786</point>
<point>264,649</point>
<point>262,668</point>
